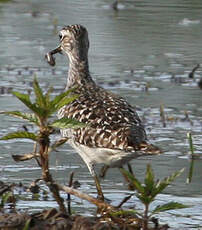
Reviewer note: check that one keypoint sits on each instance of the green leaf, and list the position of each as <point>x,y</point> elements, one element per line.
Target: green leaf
<point>149,180</point>
<point>191,146</point>
<point>65,101</point>
<point>5,198</point>
<point>40,98</point>
<point>66,123</point>
<point>25,116</point>
<point>27,224</point>
<point>24,98</point>
<point>137,184</point>
<point>191,169</point>
<point>47,96</point>
<point>59,97</point>
<point>168,206</point>
<point>146,199</point>
<point>161,185</point>
<point>20,134</point>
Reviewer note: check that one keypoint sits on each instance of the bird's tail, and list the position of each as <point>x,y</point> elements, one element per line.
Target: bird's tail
<point>150,149</point>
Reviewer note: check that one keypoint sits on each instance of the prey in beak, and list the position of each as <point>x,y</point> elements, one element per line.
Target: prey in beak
<point>49,56</point>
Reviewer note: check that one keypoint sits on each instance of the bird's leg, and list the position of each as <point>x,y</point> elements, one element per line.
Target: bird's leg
<point>103,171</point>
<point>97,182</point>
<point>130,185</point>
<point>130,169</point>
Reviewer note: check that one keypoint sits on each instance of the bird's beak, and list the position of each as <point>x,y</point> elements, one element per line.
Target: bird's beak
<point>49,56</point>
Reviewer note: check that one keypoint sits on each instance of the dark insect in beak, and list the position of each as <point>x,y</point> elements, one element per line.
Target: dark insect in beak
<point>49,56</point>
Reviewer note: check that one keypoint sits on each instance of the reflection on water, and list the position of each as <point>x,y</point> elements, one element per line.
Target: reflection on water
<point>144,52</point>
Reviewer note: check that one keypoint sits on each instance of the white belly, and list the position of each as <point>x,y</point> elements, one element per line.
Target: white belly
<point>110,157</point>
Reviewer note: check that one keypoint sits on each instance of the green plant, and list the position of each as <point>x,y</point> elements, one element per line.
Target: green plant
<point>41,111</point>
<point>192,155</point>
<point>5,198</point>
<point>148,191</point>
<point>27,224</point>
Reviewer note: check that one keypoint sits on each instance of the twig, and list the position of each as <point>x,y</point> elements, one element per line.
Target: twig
<point>187,118</point>
<point>101,204</point>
<point>191,74</point>
<point>162,115</point>
<point>68,195</point>
<point>36,158</point>
<point>124,201</point>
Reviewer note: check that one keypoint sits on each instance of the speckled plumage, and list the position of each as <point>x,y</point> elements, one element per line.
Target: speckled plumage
<point>114,133</point>
<point>112,122</point>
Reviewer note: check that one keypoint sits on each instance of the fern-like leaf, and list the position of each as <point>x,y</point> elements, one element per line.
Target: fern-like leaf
<point>47,96</point>
<point>40,98</point>
<point>149,180</point>
<point>168,206</point>
<point>20,134</point>
<point>162,184</point>
<point>65,101</point>
<point>66,123</point>
<point>59,97</point>
<point>31,117</point>
<point>25,99</point>
<point>137,184</point>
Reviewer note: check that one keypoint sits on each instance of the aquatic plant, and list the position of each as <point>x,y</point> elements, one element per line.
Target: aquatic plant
<point>148,191</point>
<point>5,197</point>
<point>192,155</point>
<point>41,111</point>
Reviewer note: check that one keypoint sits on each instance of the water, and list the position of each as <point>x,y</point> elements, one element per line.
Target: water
<point>145,43</point>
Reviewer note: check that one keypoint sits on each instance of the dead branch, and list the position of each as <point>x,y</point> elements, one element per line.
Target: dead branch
<point>100,204</point>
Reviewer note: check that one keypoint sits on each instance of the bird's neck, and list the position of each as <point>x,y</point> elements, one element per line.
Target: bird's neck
<point>78,70</point>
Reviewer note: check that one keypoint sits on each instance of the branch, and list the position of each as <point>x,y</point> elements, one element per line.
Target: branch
<point>100,204</point>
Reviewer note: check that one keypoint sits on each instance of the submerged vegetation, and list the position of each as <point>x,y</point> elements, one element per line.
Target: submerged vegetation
<point>41,113</point>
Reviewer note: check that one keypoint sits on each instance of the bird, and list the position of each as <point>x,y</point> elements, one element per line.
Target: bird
<point>114,133</point>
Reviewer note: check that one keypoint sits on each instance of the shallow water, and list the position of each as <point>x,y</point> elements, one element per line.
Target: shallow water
<point>145,44</point>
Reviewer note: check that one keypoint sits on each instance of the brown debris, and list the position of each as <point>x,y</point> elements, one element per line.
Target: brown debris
<point>55,220</point>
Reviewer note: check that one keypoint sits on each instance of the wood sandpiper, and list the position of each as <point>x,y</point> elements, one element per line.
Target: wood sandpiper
<point>114,134</point>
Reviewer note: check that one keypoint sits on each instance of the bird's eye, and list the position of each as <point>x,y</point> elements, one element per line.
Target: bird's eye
<point>60,37</point>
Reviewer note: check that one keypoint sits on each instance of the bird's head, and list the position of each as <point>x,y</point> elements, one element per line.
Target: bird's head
<point>73,42</point>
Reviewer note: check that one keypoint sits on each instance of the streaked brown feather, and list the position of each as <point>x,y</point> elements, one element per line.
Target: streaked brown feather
<point>113,123</point>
